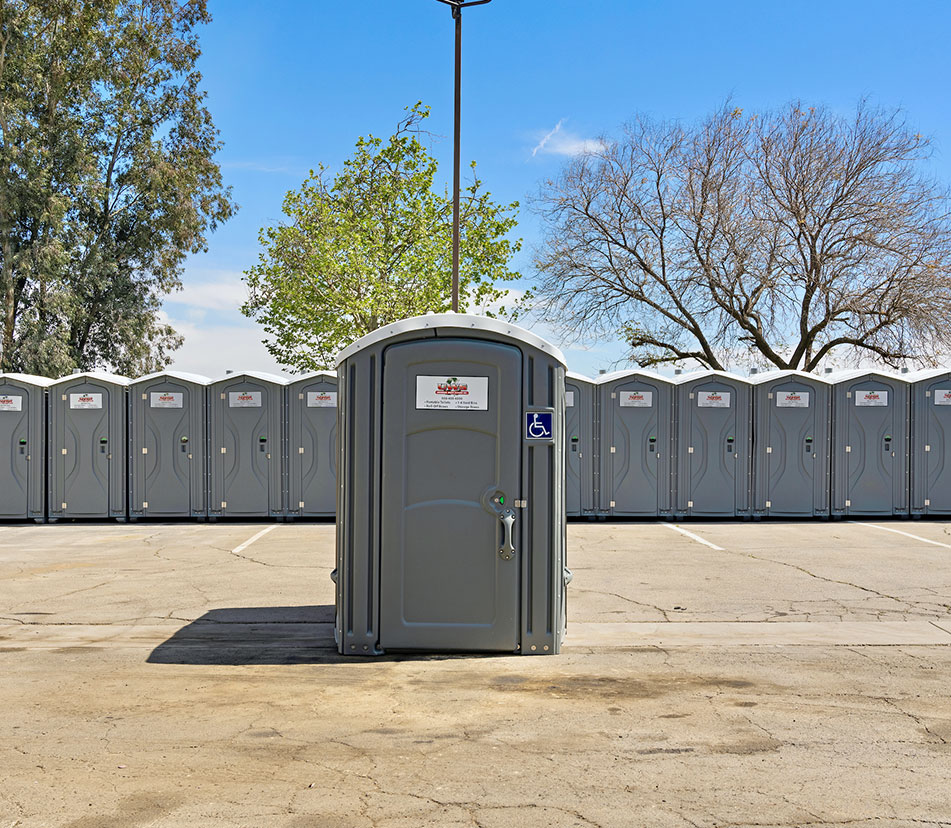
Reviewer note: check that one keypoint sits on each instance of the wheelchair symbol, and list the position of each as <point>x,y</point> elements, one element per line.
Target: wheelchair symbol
<point>538,425</point>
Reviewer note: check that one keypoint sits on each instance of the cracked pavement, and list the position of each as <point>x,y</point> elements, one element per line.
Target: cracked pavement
<point>151,677</point>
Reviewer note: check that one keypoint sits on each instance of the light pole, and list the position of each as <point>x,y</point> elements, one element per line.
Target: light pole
<point>457,6</point>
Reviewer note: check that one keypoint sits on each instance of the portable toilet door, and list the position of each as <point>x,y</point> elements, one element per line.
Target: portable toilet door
<point>23,432</point>
<point>311,460</point>
<point>870,474</point>
<point>451,527</point>
<point>637,413</point>
<point>930,442</point>
<point>791,444</point>
<point>714,443</point>
<point>167,415</point>
<point>580,435</point>
<point>245,450</point>
<point>87,446</point>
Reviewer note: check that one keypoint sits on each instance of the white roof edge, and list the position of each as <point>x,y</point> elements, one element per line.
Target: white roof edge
<point>708,372</point>
<point>574,375</point>
<point>767,376</point>
<point>102,376</point>
<point>852,373</point>
<point>311,375</point>
<point>261,375</point>
<point>631,372</point>
<point>198,379</point>
<point>926,373</point>
<point>30,379</point>
<point>462,321</point>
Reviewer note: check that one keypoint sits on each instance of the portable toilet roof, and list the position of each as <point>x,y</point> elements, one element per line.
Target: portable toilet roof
<point>102,376</point>
<point>32,379</point>
<point>769,376</point>
<point>184,376</point>
<point>462,321</point>
<point>925,374</point>
<point>707,372</point>
<point>260,375</point>
<point>632,372</point>
<point>574,375</point>
<point>852,373</point>
<point>311,375</point>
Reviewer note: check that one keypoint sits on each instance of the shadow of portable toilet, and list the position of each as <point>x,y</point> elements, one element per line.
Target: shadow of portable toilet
<point>451,518</point>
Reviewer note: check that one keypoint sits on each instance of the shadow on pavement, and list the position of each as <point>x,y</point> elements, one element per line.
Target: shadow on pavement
<point>254,635</point>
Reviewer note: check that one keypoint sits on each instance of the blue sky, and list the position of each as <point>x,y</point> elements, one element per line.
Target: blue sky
<point>293,83</point>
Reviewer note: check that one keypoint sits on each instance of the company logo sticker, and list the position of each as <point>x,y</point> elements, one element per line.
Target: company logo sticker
<point>85,400</point>
<point>538,425</point>
<point>244,399</point>
<point>713,399</point>
<point>11,403</point>
<point>321,399</point>
<point>873,397</point>
<point>792,399</point>
<point>636,399</point>
<point>452,393</point>
<point>166,399</point>
<point>942,396</point>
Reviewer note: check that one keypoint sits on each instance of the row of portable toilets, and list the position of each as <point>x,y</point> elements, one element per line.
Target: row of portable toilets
<point>784,443</point>
<point>705,444</point>
<point>168,445</point>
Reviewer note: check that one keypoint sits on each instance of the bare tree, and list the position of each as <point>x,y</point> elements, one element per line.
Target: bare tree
<point>786,235</point>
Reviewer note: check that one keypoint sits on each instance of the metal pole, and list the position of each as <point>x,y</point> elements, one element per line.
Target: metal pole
<point>457,14</point>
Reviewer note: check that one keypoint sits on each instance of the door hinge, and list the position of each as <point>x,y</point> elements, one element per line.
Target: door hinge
<point>145,450</point>
<point>613,450</point>
<point>64,451</point>
<point>145,504</point>
<point>224,504</point>
<point>222,395</point>
<point>769,396</point>
<point>300,397</point>
<point>224,450</point>
<point>521,504</point>
<point>300,504</point>
<point>613,395</point>
<point>769,503</point>
<point>689,449</point>
<point>927,448</point>
<point>64,507</point>
<point>848,502</point>
<point>611,504</point>
<point>848,449</point>
<point>689,504</point>
<point>300,450</point>
<point>769,449</point>
<point>927,502</point>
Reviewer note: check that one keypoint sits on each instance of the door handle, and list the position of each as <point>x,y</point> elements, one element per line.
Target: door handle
<point>507,552</point>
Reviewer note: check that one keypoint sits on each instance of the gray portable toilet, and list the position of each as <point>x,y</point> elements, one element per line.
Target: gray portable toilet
<point>311,460</point>
<point>637,440</point>
<point>451,519</point>
<point>713,444</point>
<point>870,431</point>
<point>580,438</point>
<point>930,441</point>
<point>87,446</point>
<point>792,439</point>
<point>245,445</point>
<point>167,424</point>
<point>23,430</point>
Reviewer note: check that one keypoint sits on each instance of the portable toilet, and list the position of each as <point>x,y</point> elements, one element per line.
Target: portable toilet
<point>311,460</point>
<point>23,431</point>
<point>792,439</point>
<point>580,438</point>
<point>87,446</point>
<point>167,424</point>
<point>245,445</point>
<point>451,520</point>
<point>930,441</point>
<point>637,439</point>
<point>870,430</point>
<point>713,444</point>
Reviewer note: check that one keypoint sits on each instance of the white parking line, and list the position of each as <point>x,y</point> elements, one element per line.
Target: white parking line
<point>899,532</point>
<point>692,536</point>
<point>251,540</point>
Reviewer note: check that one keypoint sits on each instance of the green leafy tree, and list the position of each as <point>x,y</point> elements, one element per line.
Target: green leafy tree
<point>107,179</point>
<point>371,245</point>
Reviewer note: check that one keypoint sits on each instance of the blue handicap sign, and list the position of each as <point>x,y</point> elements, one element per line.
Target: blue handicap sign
<point>538,425</point>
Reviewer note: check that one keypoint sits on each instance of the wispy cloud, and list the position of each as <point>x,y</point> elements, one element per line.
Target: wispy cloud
<point>558,141</point>
<point>223,292</point>
<point>270,167</point>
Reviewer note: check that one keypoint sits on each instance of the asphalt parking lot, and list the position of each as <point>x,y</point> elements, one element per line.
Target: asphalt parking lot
<point>715,674</point>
